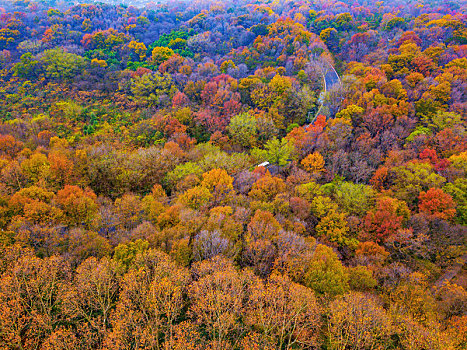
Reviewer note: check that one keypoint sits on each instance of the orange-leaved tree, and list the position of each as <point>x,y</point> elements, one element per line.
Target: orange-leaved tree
<point>437,204</point>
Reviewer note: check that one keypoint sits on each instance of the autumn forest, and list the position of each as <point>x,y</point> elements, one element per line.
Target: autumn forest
<point>227,175</point>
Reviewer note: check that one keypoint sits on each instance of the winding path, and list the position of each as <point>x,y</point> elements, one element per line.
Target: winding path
<point>331,78</point>
<point>331,81</point>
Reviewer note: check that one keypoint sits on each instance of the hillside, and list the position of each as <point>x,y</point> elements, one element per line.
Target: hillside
<point>233,175</point>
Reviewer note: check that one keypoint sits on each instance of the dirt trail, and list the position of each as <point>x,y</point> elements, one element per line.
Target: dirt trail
<point>452,272</point>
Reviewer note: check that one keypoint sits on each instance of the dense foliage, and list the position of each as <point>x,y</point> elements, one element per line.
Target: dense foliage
<point>133,212</point>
